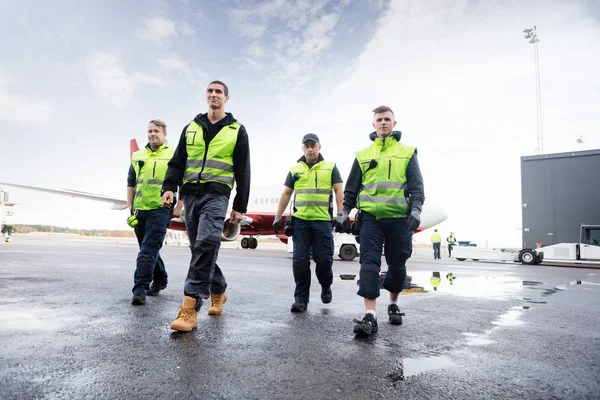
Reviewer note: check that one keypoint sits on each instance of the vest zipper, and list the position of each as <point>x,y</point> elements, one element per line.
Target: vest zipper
<point>316,183</point>
<point>204,132</point>
<point>389,168</point>
<point>154,169</point>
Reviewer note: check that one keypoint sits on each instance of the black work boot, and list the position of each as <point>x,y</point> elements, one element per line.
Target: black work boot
<point>326,295</point>
<point>298,307</point>
<point>138,299</point>
<point>394,314</point>
<point>367,326</point>
<point>155,288</point>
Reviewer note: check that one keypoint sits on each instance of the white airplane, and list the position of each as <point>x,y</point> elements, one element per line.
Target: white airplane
<point>262,206</point>
<point>258,221</point>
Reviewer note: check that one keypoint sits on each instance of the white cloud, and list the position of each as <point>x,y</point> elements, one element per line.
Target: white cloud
<point>185,29</point>
<point>175,62</point>
<point>110,79</point>
<point>157,29</point>
<point>254,50</point>
<point>308,32</point>
<point>19,108</point>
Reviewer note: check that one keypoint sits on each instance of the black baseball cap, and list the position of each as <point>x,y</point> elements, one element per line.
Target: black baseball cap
<point>310,137</point>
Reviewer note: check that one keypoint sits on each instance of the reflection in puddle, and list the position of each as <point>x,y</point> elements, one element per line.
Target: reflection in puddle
<point>474,339</point>
<point>35,319</point>
<point>414,366</point>
<point>510,318</point>
<point>501,287</point>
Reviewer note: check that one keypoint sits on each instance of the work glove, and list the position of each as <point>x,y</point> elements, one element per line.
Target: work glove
<point>413,220</point>
<point>277,223</point>
<point>342,222</point>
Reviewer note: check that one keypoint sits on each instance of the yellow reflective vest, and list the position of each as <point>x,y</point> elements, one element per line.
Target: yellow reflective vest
<point>383,166</point>
<point>436,237</point>
<point>150,168</point>
<point>312,190</point>
<point>212,162</point>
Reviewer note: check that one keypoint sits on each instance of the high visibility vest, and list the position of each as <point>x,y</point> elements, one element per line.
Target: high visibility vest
<point>436,237</point>
<point>383,166</point>
<point>451,239</point>
<point>312,190</point>
<point>212,162</point>
<point>150,168</point>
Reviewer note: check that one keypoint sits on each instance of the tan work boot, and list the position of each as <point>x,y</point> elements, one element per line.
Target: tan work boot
<point>216,303</point>
<point>187,318</point>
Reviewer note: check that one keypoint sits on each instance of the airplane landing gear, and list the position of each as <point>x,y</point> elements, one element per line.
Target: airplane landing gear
<point>249,243</point>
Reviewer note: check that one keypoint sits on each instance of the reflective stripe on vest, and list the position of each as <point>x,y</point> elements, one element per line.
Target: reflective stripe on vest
<point>212,163</point>
<point>312,190</point>
<point>383,187</point>
<point>150,168</point>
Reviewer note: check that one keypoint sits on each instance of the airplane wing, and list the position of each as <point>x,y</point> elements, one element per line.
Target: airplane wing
<point>116,204</point>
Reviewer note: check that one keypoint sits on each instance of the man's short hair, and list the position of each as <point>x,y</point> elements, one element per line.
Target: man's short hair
<point>382,109</point>
<point>225,88</point>
<point>159,123</point>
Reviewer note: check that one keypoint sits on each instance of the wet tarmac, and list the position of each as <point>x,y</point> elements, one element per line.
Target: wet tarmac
<point>68,330</point>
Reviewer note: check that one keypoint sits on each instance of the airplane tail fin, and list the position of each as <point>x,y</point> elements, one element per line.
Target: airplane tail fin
<point>133,147</point>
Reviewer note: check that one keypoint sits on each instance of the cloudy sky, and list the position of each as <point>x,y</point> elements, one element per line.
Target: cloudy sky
<point>79,79</point>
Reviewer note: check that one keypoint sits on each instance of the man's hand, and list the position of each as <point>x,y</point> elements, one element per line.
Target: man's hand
<point>235,217</point>
<point>167,199</point>
<point>277,223</point>
<point>413,220</point>
<point>178,209</point>
<point>342,222</point>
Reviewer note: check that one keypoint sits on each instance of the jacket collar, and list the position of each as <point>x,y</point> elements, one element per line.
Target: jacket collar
<point>303,159</point>
<point>395,134</point>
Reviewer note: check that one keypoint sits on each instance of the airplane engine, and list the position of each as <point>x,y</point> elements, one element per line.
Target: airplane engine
<point>230,231</point>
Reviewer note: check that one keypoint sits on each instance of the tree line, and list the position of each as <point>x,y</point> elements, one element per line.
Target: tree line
<point>80,232</point>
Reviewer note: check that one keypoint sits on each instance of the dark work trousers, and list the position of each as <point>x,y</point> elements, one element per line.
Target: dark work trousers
<point>150,232</point>
<point>204,221</point>
<point>318,236</point>
<point>398,249</point>
<point>436,249</point>
<point>450,247</point>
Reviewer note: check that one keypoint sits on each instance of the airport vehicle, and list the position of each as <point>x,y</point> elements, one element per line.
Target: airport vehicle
<point>586,252</point>
<point>256,222</point>
<point>345,246</point>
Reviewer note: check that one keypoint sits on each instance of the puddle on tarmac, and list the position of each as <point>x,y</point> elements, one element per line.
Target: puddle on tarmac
<point>501,287</point>
<point>413,366</point>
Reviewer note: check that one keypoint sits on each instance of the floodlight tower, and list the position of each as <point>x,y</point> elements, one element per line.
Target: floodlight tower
<point>531,35</point>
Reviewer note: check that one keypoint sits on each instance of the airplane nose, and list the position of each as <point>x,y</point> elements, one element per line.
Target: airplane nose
<point>432,214</point>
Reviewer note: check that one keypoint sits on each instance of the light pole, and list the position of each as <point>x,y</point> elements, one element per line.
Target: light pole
<point>531,34</point>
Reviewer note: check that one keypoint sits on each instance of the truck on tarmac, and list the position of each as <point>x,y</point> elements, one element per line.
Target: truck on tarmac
<point>584,253</point>
<point>345,246</point>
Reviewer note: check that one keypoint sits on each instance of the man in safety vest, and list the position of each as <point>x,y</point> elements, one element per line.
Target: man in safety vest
<point>385,184</point>
<point>148,216</point>
<point>212,154</point>
<point>436,241</point>
<point>312,180</point>
<point>8,222</point>
<point>451,242</point>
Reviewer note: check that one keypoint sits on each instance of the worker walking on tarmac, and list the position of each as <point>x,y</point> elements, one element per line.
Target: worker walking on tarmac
<point>386,185</point>
<point>451,240</point>
<point>148,216</point>
<point>312,180</point>
<point>8,222</point>
<point>436,240</point>
<point>212,154</point>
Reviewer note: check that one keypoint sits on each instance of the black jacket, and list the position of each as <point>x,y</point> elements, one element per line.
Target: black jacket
<point>241,164</point>
<point>414,181</point>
